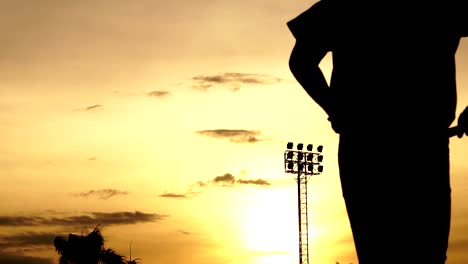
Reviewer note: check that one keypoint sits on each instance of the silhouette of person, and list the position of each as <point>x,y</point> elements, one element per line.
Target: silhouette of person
<point>391,99</point>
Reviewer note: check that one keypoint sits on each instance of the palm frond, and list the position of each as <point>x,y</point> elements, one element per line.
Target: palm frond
<point>95,240</point>
<point>109,256</point>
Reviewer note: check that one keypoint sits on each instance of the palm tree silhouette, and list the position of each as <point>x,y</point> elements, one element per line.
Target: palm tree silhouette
<point>86,249</point>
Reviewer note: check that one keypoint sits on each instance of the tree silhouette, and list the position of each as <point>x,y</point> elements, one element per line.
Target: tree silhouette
<point>87,249</point>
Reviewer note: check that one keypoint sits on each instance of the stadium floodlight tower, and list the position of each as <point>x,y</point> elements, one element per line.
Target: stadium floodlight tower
<point>303,164</point>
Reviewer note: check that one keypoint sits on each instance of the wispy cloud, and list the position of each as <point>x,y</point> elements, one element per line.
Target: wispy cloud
<point>183,232</point>
<point>91,219</point>
<point>20,220</point>
<point>254,182</point>
<point>158,94</point>
<point>234,135</point>
<point>229,180</point>
<point>187,195</point>
<point>199,184</point>
<point>103,194</point>
<point>28,239</point>
<point>11,258</point>
<point>225,180</point>
<point>93,107</point>
<point>232,80</point>
<point>174,195</point>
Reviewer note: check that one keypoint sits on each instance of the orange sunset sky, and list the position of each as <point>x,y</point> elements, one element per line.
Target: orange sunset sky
<point>166,122</point>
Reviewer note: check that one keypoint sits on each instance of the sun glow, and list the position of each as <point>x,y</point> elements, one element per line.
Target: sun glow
<point>269,227</point>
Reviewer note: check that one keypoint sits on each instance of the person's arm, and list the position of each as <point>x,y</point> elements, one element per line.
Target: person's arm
<point>463,123</point>
<point>313,33</point>
<point>304,65</point>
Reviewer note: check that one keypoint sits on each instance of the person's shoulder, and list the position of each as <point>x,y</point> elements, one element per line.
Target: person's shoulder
<point>319,9</point>
<point>316,21</point>
<point>324,5</point>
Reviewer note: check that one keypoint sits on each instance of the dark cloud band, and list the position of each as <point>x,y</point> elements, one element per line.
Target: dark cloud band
<point>254,182</point>
<point>92,219</point>
<point>174,195</point>
<point>158,94</point>
<point>93,107</point>
<point>101,194</point>
<point>28,239</point>
<point>226,180</point>
<point>231,180</point>
<point>232,80</point>
<point>234,135</point>
<point>18,259</point>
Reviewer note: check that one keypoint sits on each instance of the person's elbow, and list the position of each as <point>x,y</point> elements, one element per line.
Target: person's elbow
<point>296,61</point>
<point>305,58</point>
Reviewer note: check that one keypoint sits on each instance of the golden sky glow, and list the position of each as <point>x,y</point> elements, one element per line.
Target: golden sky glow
<point>177,110</point>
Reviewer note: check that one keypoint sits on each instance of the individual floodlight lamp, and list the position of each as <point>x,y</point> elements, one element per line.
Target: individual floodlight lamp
<point>289,145</point>
<point>300,156</point>
<point>300,167</point>
<point>320,158</point>
<point>300,146</point>
<point>320,148</point>
<point>320,168</point>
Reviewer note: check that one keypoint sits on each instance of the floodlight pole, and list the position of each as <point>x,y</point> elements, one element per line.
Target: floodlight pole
<point>304,164</point>
<point>303,218</point>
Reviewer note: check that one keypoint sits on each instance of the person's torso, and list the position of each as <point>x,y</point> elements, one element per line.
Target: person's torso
<point>393,66</point>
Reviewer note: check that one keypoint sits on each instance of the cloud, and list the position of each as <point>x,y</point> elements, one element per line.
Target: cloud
<point>174,195</point>
<point>11,258</point>
<point>232,80</point>
<point>20,220</point>
<point>28,239</point>
<point>228,180</point>
<point>158,94</point>
<point>199,184</point>
<point>93,107</point>
<point>183,232</point>
<point>234,135</point>
<point>254,182</point>
<point>117,218</point>
<point>187,195</point>
<point>91,219</point>
<point>101,194</point>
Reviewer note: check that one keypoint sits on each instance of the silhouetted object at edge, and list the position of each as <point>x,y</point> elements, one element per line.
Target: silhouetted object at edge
<point>87,249</point>
<point>392,98</point>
